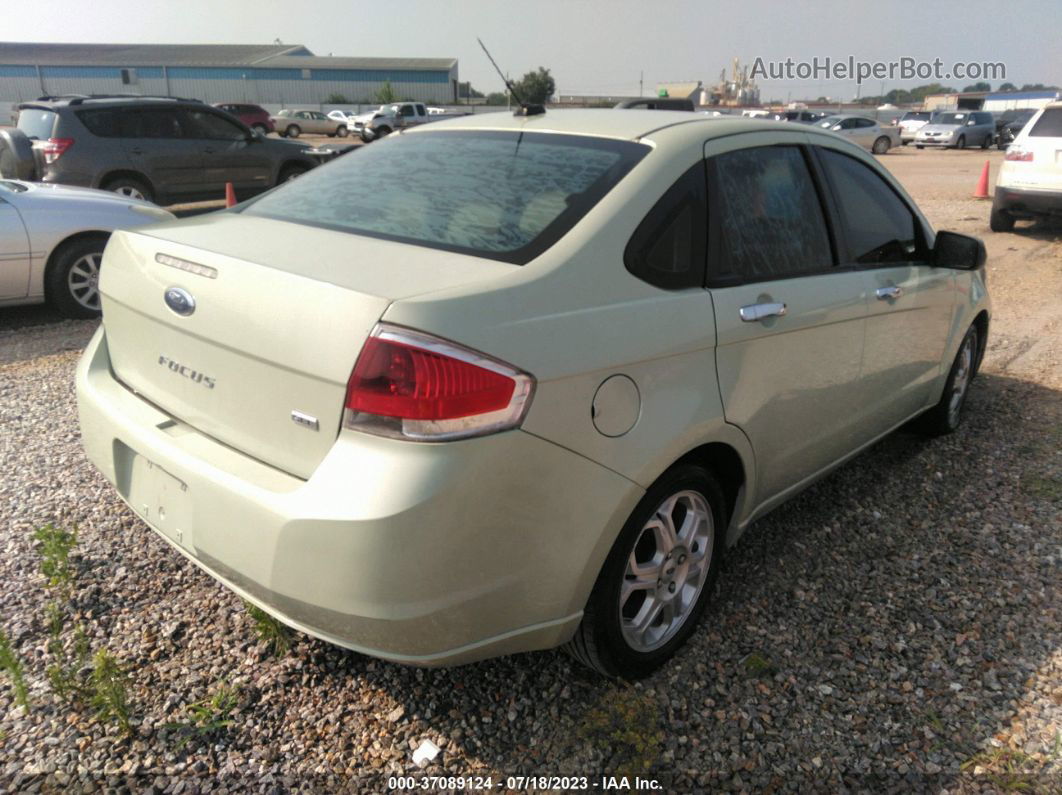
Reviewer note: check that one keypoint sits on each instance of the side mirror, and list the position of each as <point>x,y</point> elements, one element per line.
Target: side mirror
<point>962,252</point>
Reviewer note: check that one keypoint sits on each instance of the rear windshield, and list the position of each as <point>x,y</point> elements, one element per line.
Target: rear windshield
<point>916,116</point>
<point>503,195</point>
<point>36,123</point>
<point>1049,125</point>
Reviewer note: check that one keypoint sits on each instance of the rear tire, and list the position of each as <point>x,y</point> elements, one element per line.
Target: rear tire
<point>261,129</point>
<point>919,147</point>
<point>946,416</point>
<point>293,131</point>
<point>130,187</point>
<point>987,142</point>
<point>655,583</point>
<point>961,143</point>
<point>342,131</point>
<point>881,146</point>
<point>1001,221</point>
<point>72,280</point>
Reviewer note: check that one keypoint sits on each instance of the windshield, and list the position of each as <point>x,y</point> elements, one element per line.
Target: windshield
<point>503,195</point>
<point>829,121</point>
<point>37,124</point>
<point>952,118</point>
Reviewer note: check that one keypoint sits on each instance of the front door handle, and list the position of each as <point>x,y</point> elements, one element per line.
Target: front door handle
<point>755,312</point>
<point>887,293</point>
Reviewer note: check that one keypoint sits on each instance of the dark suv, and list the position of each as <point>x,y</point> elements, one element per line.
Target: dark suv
<point>163,149</point>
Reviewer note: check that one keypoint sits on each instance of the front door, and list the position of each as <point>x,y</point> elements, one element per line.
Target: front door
<point>228,153</point>
<point>790,323</point>
<point>910,303</point>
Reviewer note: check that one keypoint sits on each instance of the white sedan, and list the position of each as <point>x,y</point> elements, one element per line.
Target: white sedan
<point>52,239</point>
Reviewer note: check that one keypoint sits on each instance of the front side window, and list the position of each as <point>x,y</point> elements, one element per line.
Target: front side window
<point>204,124</point>
<point>503,195</point>
<point>770,216</point>
<point>878,227</point>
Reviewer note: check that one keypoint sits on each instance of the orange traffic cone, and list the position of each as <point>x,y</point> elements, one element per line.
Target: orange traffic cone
<point>982,184</point>
<point>230,192</point>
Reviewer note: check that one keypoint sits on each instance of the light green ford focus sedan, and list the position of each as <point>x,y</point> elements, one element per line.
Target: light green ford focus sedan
<point>507,383</point>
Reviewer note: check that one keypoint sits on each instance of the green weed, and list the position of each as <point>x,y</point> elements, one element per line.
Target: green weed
<point>12,666</point>
<point>273,633</point>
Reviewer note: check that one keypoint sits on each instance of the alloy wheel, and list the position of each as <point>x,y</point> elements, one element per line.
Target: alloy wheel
<point>83,281</point>
<point>666,570</point>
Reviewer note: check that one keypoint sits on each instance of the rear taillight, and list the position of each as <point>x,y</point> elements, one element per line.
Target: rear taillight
<point>410,385</point>
<point>54,147</point>
<point>1019,155</point>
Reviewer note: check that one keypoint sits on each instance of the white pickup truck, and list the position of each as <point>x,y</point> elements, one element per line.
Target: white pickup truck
<point>388,118</point>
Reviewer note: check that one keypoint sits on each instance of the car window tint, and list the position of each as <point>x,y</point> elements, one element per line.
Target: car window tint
<point>503,195</point>
<point>103,122</point>
<point>150,123</point>
<point>204,124</point>
<point>668,247</point>
<point>864,123</point>
<point>770,214</point>
<point>1049,125</point>
<point>878,226</point>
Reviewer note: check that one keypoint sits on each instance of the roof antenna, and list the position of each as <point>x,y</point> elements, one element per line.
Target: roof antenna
<point>526,108</point>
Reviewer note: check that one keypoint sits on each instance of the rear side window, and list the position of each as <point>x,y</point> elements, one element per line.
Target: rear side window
<point>503,195</point>
<point>1049,125</point>
<point>668,247</point>
<point>102,122</point>
<point>150,123</point>
<point>36,123</point>
<point>769,215</point>
<point>878,227</point>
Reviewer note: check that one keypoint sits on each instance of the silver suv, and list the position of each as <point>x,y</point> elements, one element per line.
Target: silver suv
<point>162,149</point>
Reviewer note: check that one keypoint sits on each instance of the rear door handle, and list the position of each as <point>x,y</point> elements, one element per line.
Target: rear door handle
<point>887,293</point>
<point>755,312</point>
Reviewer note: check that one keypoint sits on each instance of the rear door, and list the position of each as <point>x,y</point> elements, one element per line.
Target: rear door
<point>228,152</point>
<point>14,253</point>
<point>789,322</point>
<point>910,302</point>
<point>159,146</point>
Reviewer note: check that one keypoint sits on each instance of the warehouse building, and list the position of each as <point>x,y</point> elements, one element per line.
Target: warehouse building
<point>275,74</point>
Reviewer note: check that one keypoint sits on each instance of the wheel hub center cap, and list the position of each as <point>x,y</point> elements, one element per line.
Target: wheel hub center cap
<point>673,573</point>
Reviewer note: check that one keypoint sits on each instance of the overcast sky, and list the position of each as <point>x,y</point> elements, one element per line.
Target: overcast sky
<point>591,46</point>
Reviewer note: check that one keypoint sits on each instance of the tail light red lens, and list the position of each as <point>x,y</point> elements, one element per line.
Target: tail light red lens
<point>1019,155</point>
<point>411,385</point>
<point>54,147</point>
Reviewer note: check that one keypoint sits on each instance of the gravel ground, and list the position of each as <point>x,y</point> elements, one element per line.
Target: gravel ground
<point>895,628</point>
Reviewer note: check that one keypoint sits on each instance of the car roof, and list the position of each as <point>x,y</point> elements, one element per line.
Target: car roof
<point>621,123</point>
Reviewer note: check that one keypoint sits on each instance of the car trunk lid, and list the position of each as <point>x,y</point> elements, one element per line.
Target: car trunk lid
<point>262,360</point>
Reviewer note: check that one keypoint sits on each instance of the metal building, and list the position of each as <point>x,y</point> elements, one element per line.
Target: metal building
<point>275,74</point>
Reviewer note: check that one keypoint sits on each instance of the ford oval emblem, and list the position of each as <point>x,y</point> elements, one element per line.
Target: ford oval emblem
<point>180,301</point>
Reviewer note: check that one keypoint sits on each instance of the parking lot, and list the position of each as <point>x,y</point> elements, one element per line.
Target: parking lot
<point>896,627</point>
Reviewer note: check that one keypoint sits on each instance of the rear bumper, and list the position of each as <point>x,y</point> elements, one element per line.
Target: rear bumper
<point>430,554</point>
<point>1025,203</point>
